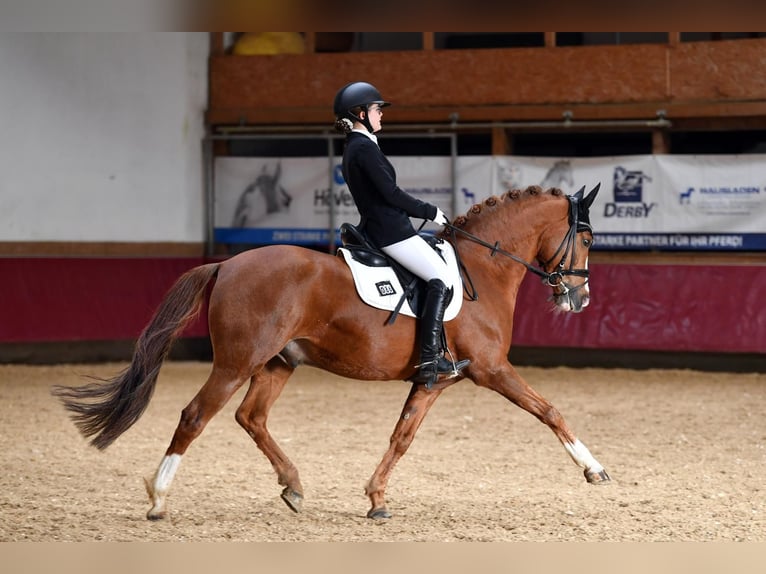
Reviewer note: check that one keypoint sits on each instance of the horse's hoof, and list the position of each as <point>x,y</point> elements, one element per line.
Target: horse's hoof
<point>293,499</point>
<point>156,514</point>
<point>600,477</point>
<point>379,514</point>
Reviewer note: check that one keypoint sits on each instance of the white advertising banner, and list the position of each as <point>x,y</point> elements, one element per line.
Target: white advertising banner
<point>274,200</point>
<point>289,200</point>
<point>664,202</point>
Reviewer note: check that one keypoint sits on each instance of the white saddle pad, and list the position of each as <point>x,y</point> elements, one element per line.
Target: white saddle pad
<point>380,287</point>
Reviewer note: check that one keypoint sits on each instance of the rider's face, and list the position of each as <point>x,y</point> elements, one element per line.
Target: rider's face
<point>376,116</point>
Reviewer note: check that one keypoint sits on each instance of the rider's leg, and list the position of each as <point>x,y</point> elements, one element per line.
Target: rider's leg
<point>415,254</point>
<point>420,258</point>
<point>432,363</point>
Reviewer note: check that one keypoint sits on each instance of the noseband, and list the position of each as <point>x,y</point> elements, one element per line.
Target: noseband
<point>555,278</point>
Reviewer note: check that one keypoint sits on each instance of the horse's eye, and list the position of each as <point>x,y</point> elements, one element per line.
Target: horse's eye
<point>587,242</point>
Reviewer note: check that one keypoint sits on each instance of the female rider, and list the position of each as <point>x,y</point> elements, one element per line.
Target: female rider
<point>385,211</point>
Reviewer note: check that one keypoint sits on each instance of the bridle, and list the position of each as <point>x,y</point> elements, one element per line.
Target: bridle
<point>555,278</point>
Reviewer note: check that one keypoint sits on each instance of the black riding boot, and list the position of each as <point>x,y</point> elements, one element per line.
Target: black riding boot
<point>432,362</point>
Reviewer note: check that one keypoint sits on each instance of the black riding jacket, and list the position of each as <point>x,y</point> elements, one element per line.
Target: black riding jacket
<point>385,208</point>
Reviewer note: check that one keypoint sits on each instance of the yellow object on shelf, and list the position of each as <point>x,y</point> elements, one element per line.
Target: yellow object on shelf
<point>269,43</point>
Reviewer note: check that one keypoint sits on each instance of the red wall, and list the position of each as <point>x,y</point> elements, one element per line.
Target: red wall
<point>85,299</point>
<point>696,308</point>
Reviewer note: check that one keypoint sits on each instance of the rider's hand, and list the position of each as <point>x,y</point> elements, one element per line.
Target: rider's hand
<point>440,218</point>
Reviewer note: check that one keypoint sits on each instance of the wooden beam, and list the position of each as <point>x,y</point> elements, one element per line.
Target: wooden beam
<point>220,147</point>
<point>217,47</point>
<point>310,42</point>
<point>550,39</point>
<point>501,143</point>
<point>428,40</point>
<point>660,142</point>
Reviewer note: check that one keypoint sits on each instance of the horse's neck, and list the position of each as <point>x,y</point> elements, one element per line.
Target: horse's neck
<point>515,225</point>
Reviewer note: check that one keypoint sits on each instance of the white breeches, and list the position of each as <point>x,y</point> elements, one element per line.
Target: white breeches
<point>419,258</point>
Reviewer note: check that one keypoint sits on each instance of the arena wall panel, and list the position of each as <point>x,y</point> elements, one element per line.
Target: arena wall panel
<point>677,308</point>
<point>85,299</point>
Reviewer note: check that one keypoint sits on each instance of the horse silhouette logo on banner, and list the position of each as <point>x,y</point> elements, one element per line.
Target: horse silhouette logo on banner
<point>628,185</point>
<point>261,198</point>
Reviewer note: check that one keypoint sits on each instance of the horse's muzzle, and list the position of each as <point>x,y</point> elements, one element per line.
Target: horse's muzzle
<point>571,300</point>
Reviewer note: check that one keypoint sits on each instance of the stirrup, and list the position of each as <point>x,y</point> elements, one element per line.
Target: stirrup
<point>430,371</point>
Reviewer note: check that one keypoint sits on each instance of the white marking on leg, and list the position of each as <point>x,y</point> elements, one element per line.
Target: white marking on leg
<point>165,473</point>
<point>582,456</point>
<point>157,489</point>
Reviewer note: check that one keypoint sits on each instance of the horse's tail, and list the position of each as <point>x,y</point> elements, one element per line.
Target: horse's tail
<point>110,407</point>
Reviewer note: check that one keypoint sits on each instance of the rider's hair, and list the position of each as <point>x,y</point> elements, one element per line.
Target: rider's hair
<point>345,125</point>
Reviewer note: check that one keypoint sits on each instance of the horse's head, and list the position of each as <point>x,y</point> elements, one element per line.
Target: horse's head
<point>564,254</point>
<point>535,226</point>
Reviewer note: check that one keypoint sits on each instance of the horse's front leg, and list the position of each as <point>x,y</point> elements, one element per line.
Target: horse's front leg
<point>416,406</point>
<point>509,383</point>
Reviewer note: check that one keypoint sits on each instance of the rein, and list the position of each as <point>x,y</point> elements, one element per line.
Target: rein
<point>552,279</point>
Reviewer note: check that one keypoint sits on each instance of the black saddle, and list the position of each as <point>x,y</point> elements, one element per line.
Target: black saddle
<point>362,250</point>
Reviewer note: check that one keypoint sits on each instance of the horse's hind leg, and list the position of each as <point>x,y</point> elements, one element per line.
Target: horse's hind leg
<point>209,400</point>
<point>252,415</point>
<point>415,408</point>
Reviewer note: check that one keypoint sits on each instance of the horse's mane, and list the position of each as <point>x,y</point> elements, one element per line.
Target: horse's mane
<point>512,195</point>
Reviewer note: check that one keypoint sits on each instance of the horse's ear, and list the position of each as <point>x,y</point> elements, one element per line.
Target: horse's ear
<point>590,197</point>
<point>578,195</point>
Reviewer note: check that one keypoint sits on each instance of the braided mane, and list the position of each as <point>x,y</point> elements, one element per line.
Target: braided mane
<point>511,195</point>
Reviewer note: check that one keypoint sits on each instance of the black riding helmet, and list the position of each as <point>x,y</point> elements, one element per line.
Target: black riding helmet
<point>357,94</point>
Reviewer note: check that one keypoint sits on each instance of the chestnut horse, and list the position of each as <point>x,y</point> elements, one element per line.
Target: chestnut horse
<point>274,308</point>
